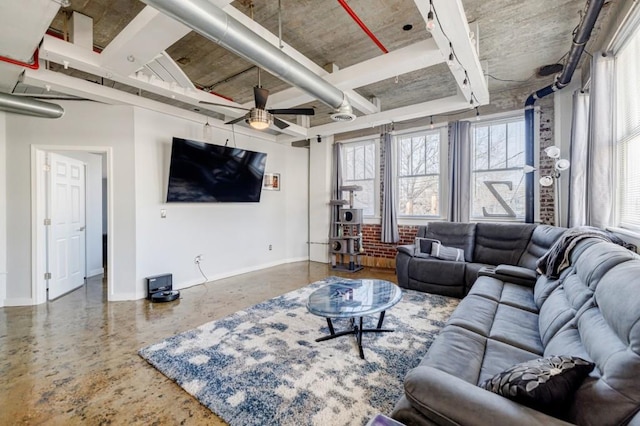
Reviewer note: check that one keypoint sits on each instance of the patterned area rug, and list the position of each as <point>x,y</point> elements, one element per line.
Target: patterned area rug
<point>262,366</point>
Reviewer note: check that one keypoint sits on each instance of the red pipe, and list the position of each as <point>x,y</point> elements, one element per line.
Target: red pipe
<point>34,66</point>
<point>355,17</point>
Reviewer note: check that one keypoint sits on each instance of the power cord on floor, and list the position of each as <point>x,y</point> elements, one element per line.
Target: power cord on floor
<point>203,275</point>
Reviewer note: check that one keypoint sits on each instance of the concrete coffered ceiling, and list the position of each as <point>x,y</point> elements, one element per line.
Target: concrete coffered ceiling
<point>127,52</point>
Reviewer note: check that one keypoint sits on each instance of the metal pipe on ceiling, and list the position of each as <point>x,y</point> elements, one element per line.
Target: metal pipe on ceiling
<point>214,24</point>
<point>27,106</point>
<point>580,39</point>
<point>362,25</point>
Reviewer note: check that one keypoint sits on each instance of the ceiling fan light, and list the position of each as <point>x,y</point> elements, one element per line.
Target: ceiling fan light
<point>259,119</point>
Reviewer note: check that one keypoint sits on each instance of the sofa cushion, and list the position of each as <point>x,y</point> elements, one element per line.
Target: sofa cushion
<point>442,252</point>
<point>508,324</point>
<point>423,246</point>
<point>546,384</point>
<point>436,271</point>
<point>542,238</point>
<point>497,243</point>
<point>460,235</point>
<point>504,292</point>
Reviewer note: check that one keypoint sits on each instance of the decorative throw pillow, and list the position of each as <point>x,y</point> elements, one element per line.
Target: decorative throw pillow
<point>545,384</point>
<point>447,253</point>
<point>423,246</point>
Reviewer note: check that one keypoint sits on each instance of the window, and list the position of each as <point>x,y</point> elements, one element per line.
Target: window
<point>419,174</point>
<point>497,179</point>
<point>359,168</point>
<point>628,132</point>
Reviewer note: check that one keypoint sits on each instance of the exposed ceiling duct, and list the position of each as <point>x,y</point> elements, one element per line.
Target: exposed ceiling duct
<point>27,106</point>
<point>214,24</point>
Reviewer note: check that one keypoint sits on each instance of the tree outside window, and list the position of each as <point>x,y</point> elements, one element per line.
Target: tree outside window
<point>497,178</point>
<point>359,168</point>
<point>419,174</point>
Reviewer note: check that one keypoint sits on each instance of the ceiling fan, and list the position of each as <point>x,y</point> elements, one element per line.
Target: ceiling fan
<point>259,117</point>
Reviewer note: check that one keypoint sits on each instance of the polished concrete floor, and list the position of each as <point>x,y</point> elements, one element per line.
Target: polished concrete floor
<point>74,360</point>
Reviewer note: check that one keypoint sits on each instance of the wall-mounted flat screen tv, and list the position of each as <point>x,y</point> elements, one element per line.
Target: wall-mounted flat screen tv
<point>205,173</point>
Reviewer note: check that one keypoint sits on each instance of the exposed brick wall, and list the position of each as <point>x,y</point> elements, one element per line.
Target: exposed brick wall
<point>546,165</point>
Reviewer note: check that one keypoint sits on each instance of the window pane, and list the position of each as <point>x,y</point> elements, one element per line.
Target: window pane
<point>515,144</point>
<point>433,154</point>
<point>404,154</point>
<point>359,163</point>
<point>419,196</point>
<point>509,188</point>
<point>497,179</point>
<point>628,132</point>
<point>498,147</point>
<point>418,166</point>
<point>359,168</point>
<point>481,160</point>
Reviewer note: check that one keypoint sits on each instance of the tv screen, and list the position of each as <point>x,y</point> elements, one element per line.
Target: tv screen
<point>203,172</point>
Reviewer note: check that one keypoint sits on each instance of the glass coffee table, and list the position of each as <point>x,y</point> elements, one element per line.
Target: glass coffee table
<point>354,299</point>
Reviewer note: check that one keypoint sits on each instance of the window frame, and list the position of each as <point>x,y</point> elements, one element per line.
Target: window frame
<point>442,175</point>
<point>508,117</point>
<point>630,31</point>
<point>376,175</point>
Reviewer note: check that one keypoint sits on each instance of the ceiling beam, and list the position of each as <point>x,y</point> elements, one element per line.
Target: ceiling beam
<point>67,54</point>
<point>424,109</point>
<point>85,89</point>
<point>451,27</point>
<point>148,34</point>
<point>407,59</point>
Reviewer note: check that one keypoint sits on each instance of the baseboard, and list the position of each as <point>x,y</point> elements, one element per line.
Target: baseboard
<point>123,297</point>
<point>378,262</point>
<point>3,288</point>
<point>95,272</point>
<point>239,272</point>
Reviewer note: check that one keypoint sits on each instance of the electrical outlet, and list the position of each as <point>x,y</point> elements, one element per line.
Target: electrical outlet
<point>198,259</point>
<point>270,247</point>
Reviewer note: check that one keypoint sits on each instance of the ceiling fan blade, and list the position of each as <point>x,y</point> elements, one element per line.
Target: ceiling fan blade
<point>237,120</point>
<point>293,111</point>
<point>223,105</point>
<point>279,123</point>
<point>260,96</point>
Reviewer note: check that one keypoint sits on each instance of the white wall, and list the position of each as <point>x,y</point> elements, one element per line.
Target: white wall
<point>233,237</point>
<point>85,124</point>
<point>320,195</point>
<point>3,210</point>
<point>94,209</point>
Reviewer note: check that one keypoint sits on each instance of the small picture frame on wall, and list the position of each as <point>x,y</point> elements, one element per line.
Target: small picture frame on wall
<point>271,182</point>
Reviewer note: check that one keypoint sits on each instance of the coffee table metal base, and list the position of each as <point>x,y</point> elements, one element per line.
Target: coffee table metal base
<point>356,329</point>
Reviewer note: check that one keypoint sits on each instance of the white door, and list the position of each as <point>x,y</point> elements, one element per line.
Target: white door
<point>66,238</point>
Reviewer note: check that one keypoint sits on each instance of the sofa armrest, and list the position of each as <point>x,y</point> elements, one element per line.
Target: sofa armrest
<point>510,273</point>
<point>445,398</point>
<point>407,249</point>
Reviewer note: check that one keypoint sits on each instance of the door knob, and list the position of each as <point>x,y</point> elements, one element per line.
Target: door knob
<point>81,229</point>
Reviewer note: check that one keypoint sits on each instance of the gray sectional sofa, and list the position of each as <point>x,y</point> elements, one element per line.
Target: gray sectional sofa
<point>485,245</point>
<point>591,311</point>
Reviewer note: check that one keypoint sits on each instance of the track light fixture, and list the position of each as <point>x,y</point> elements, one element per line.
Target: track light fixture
<point>431,123</point>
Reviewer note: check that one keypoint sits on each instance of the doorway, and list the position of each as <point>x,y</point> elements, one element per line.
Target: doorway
<point>67,221</point>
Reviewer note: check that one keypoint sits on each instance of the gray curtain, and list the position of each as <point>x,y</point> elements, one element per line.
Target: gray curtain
<point>578,157</point>
<point>336,183</point>
<point>389,232</point>
<point>459,170</point>
<point>599,164</point>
